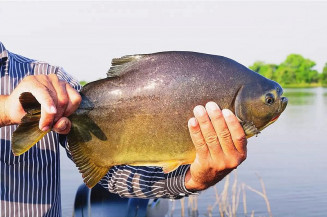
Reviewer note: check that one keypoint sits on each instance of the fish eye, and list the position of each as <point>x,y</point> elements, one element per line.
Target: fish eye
<point>269,99</point>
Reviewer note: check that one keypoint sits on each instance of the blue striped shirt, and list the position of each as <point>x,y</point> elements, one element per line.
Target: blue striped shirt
<point>30,183</point>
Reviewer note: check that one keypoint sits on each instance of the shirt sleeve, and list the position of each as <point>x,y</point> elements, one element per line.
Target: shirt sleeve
<point>136,181</point>
<point>63,75</point>
<point>146,182</point>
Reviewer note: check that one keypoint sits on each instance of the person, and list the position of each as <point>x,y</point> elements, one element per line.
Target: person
<point>30,183</point>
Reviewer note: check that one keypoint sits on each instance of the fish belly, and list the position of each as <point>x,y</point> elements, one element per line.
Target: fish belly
<point>142,139</point>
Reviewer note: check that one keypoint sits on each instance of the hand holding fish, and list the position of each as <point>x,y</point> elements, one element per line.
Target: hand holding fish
<point>220,146</point>
<point>57,98</point>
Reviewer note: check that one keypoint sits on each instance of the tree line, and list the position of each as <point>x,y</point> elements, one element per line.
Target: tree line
<point>294,71</point>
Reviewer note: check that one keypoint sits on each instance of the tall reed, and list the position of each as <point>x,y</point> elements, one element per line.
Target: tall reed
<point>227,201</point>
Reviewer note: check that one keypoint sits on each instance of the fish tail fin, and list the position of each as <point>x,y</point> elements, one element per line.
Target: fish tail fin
<point>28,132</point>
<point>79,134</point>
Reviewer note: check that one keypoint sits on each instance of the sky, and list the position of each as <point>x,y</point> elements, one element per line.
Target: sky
<point>83,37</point>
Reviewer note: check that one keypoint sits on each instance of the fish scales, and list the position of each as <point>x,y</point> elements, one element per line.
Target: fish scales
<point>149,111</point>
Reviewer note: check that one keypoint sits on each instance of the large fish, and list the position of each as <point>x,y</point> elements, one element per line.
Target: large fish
<point>138,115</point>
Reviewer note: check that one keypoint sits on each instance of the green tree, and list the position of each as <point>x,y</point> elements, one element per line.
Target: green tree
<point>294,70</point>
<point>300,69</point>
<point>83,83</point>
<point>267,70</point>
<point>323,75</point>
<point>284,75</point>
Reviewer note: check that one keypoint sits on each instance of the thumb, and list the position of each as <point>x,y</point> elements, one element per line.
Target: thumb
<point>62,126</point>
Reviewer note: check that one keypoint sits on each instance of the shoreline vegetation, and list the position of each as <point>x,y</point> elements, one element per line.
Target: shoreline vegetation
<point>294,72</point>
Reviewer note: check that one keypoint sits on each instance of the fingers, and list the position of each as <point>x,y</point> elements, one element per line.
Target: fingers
<point>62,126</point>
<point>220,145</point>
<point>74,100</point>
<point>219,123</point>
<point>219,130</point>
<point>57,98</point>
<point>57,93</point>
<point>237,132</point>
<point>43,96</point>
<point>66,99</point>
<point>61,95</point>
<point>197,139</point>
<point>207,129</point>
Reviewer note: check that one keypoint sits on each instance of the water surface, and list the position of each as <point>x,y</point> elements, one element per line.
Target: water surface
<point>289,155</point>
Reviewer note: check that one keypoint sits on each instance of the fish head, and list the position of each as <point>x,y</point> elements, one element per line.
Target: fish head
<point>259,104</point>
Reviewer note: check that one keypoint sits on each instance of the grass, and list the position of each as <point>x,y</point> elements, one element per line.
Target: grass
<point>227,201</point>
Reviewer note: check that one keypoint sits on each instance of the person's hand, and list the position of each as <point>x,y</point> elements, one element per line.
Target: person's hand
<point>220,144</point>
<point>57,98</point>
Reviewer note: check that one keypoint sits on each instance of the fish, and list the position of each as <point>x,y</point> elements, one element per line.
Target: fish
<point>138,114</point>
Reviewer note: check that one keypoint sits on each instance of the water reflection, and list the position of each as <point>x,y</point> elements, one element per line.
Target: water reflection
<point>300,96</point>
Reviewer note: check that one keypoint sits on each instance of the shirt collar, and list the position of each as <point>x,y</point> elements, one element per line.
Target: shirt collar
<point>3,60</point>
<point>3,54</point>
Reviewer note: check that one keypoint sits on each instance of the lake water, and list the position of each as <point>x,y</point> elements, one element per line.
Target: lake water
<point>290,157</point>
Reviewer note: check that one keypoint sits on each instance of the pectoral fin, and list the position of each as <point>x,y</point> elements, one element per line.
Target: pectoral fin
<point>92,173</point>
<point>249,129</point>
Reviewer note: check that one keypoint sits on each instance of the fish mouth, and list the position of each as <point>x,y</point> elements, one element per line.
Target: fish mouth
<point>274,119</point>
<point>271,121</point>
<point>282,107</point>
<point>284,102</point>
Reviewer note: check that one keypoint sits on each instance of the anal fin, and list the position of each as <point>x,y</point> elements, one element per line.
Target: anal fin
<point>170,166</point>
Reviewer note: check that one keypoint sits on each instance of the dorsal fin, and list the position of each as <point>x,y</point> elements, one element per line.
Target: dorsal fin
<point>118,65</point>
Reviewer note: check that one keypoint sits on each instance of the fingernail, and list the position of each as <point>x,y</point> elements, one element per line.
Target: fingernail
<point>199,110</point>
<point>226,112</point>
<point>193,122</point>
<point>212,106</point>
<point>53,110</point>
<point>62,126</point>
<point>46,128</point>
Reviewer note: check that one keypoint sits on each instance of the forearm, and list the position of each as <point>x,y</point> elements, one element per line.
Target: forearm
<point>4,120</point>
<point>146,182</point>
<point>193,185</point>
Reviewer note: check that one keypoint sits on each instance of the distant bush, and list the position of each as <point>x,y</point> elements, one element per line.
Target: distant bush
<point>83,83</point>
<point>294,71</point>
